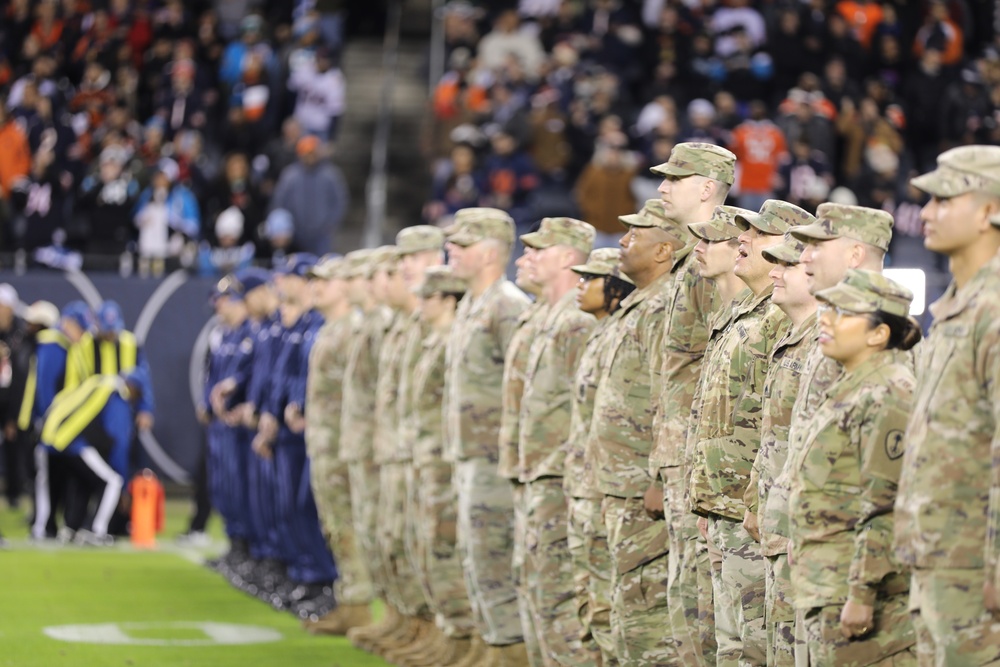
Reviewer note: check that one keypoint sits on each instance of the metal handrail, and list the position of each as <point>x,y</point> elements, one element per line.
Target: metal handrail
<point>377,185</point>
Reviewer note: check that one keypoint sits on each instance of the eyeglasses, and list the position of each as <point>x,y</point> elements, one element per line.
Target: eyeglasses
<point>839,312</point>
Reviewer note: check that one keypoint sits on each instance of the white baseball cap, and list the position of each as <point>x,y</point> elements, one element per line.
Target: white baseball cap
<point>8,296</point>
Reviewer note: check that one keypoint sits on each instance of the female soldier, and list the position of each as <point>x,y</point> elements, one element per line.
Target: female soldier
<point>850,593</point>
<point>602,288</point>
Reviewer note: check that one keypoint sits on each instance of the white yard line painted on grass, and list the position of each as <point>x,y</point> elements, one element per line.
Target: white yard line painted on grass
<point>215,634</point>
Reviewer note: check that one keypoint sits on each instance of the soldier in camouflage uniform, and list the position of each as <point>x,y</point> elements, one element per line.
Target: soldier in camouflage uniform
<point>601,289</point>
<point>767,517</point>
<point>543,434</point>
<point>366,288</point>
<point>432,513</point>
<point>479,245</point>
<point>843,237</point>
<point>948,507</point>
<point>330,480</point>
<point>727,433</point>
<point>696,179</point>
<point>512,389</point>
<point>417,248</point>
<point>849,590</point>
<point>621,437</point>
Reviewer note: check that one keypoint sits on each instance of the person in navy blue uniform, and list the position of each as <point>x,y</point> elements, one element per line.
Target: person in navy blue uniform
<point>91,426</point>
<point>311,569</point>
<point>246,389</point>
<point>228,441</point>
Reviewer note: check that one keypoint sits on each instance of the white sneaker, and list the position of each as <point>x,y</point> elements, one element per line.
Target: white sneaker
<point>86,538</point>
<point>197,539</point>
<point>65,535</point>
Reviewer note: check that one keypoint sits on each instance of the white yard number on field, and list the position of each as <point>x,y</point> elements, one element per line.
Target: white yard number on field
<point>145,634</point>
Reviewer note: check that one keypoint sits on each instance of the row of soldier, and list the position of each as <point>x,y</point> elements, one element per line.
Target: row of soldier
<point>720,445</point>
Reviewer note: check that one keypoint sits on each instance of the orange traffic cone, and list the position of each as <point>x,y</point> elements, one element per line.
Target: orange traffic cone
<point>147,509</point>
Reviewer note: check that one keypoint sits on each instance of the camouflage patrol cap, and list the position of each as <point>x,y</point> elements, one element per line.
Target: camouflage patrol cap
<point>418,239</point>
<point>775,217</point>
<point>963,169</point>
<point>356,263</point>
<point>787,252</point>
<point>721,226</point>
<point>690,158</point>
<point>576,234</point>
<point>834,221</point>
<point>603,262</point>
<point>383,258</point>
<point>868,292</point>
<point>473,225</point>
<point>653,214</point>
<point>440,280</point>
<point>329,267</point>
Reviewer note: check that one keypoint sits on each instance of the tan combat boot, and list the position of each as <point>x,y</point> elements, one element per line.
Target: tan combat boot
<point>474,657</point>
<point>341,620</point>
<point>512,655</point>
<point>410,644</point>
<point>427,636</point>
<point>433,651</point>
<point>362,637</point>
<point>403,635</point>
<point>453,650</point>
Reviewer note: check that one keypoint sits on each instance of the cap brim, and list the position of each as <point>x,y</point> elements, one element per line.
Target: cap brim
<point>634,220</point>
<point>938,184</point>
<point>707,231</point>
<point>463,240</point>
<point>536,241</point>
<point>813,232</point>
<point>589,270</point>
<point>781,254</point>
<point>668,169</point>
<point>846,297</point>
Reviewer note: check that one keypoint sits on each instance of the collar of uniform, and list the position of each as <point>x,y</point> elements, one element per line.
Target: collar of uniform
<point>808,329</point>
<point>566,302</point>
<point>850,381</point>
<point>721,318</point>
<point>681,255</point>
<point>476,303</point>
<point>640,295</point>
<point>954,300</point>
<point>752,302</point>
<point>530,311</point>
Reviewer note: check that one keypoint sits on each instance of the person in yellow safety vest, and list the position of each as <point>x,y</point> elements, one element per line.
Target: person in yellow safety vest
<point>111,350</point>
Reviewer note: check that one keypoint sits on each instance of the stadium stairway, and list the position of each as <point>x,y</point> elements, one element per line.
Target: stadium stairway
<point>408,182</point>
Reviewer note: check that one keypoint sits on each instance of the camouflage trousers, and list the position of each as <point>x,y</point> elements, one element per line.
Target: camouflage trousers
<point>739,596</point>
<point>486,545</point>
<point>431,515</point>
<point>819,642</point>
<point>640,619</point>
<point>364,514</point>
<point>548,574</point>
<point>689,595</point>
<point>779,613</point>
<point>403,589</point>
<point>587,538</point>
<point>952,624</point>
<point>332,490</point>
<point>532,646</point>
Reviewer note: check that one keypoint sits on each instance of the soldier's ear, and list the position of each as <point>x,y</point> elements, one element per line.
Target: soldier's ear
<point>878,336</point>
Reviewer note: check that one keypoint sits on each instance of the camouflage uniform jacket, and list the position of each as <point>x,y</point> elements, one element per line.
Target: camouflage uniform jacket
<point>818,375</point>
<point>948,505</point>
<point>387,388</point>
<point>579,479</point>
<point>477,346</point>
<point>621,431</point>
<point>767,493</point>
<point>513,385</point>
<point>360,380</point>
<point>425,397</point>
<point>545,406</point>
<point>325,387</point>
<point>687,329</point>
<point>843,481</point>
<point>411,350</point>
<point>728,427</point>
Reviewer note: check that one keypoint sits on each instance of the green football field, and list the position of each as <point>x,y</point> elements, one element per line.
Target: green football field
<point>65,606</point>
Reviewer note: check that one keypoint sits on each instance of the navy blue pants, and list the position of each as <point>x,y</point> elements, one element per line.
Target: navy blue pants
<point>228,448</point>
<point>262,500</point>
<point>306,550</point>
